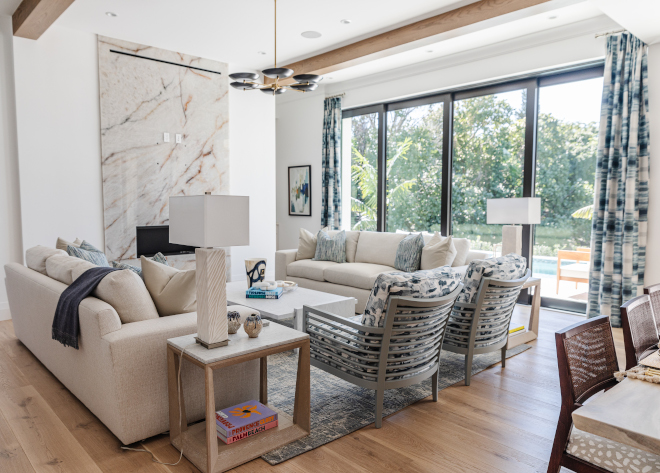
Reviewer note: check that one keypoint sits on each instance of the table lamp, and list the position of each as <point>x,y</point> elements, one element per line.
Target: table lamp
<point>210,222</point>
<point>512,213</point>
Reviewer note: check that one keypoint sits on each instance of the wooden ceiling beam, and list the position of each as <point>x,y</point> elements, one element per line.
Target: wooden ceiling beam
<point>386,44</point>
<point>33,17</point>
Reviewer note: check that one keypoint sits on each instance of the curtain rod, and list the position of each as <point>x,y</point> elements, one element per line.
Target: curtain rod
<point>610,33</point>
<point>335,96</point>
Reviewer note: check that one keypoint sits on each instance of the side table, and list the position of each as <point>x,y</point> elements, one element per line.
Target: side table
<point>531,330</point>
<point>199,441</point>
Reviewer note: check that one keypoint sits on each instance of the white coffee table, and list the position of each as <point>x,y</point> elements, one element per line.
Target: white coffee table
<point>290,304</point>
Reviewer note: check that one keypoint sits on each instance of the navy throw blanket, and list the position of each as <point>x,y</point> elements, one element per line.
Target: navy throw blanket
<point>65,323</point>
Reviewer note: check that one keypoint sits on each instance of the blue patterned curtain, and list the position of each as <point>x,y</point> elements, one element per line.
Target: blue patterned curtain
<point>331,173</point>
<point>618,230</point>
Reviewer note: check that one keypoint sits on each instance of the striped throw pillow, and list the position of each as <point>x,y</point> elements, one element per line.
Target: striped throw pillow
<point>330,248</point>
<point>409,253</point>
<point>87,246</point>
<point>93,257</point>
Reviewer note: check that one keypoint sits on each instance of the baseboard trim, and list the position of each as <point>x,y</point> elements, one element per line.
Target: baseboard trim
<point>4,311</point>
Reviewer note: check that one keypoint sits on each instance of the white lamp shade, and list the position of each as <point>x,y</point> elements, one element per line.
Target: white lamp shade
<point>208,221</point>
<point>523,211</point>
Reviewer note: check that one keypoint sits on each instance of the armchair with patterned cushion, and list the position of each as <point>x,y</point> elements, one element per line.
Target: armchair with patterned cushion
<point>396,342</point>
<point>479,321</point>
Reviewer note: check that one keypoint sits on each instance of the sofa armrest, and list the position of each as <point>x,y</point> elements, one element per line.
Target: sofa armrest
<point>282,259</point>
<point>476,254</point>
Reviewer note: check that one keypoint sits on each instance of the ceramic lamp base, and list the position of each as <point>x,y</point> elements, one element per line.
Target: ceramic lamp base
<point>211,297</point>
<point>511,239</point>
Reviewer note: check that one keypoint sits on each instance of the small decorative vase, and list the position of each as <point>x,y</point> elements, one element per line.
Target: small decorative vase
<point>255,270</point>
<point>233,321</point>
<point>253,325</point>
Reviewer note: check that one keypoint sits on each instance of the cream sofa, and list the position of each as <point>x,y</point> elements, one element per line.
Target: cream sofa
<point>368,254</point>
<point>120,370</point>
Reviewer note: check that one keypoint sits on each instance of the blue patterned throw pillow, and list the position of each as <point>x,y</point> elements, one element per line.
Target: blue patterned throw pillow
<point>409,253</point>
<point>158,258</point>
<point>330,248</point>
<point>436,282</point>
<point>93,257</point>
<point>504,268</point>
<point>87,246</point>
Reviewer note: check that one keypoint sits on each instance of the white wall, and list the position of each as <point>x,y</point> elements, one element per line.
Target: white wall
<point>299,141</point>
<point>57,99</point>
<point>300,119</point>
<point>652,275</point>
<point>10,205</point>
<point>252,173</point>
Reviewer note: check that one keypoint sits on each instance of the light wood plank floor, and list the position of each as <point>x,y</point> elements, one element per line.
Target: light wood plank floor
<point>503,423</point>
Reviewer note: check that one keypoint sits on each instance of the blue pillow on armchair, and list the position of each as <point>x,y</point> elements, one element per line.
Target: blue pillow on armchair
<point>504,268</point>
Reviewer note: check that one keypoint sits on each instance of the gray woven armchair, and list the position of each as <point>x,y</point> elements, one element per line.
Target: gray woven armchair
<point>483,327</point>
<point>405,351</point>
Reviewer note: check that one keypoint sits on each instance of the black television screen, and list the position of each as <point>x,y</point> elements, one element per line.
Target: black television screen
<point>154,239</point>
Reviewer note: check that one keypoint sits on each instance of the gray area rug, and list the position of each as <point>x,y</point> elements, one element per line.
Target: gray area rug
<point>339,407</point>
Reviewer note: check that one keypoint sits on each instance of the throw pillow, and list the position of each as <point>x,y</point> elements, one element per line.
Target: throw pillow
<point>504,268</point>
<point>409,253</point>
<point>306,245</point>
<point>158,258</point>
<point>61,267</point>
<point>36,257</point>
<point>62,243</point>
<point>172,290</point>
<point>87,246</point>
<point>93,257</point>
<point>126,293</point>
<point>438,252</point>
<point>433,283</point>
<point>330,248</point>
<point>462,249</point>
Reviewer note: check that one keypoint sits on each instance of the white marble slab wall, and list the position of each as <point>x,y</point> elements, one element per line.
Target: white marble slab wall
<point>141,100</point>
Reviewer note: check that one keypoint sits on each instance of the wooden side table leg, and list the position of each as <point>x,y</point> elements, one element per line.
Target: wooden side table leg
<point>211,436</point>
<point>263,380</point>
<point>301,407</point>
<point>536,309</point>
<point>178,421</point>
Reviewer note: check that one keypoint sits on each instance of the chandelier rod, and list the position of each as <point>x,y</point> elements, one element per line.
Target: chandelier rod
<point>275,33</point>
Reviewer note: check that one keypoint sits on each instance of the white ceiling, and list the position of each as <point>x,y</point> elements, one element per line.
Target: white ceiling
<point>235,31</point>
<point>8,7</point>
<point>640,17</point>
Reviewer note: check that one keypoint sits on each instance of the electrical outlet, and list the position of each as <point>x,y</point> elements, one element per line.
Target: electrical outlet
<point>166,137</point>
<point>178,137</point>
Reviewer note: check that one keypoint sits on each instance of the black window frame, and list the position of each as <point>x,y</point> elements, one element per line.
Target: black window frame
<point>529,82</point>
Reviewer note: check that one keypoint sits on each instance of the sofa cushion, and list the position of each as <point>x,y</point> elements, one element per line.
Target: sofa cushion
<point>172,290</point>
<point>362,275</point>
<point>330,248</point>
<point>462,249</point>
<point>433,283</point>
<point>409,253</point>
<point>438,252</point>
<point>309,269</point>
<point>504,268</point>
<point>126,293</point>
<point>352,239</point>
<point>61,243</point>
<point>94,257</point>
<point>61,267</point>
<point>378,247</point>
<point>35,258</point>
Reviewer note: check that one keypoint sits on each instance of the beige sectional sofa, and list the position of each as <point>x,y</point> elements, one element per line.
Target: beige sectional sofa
<point>368,254</point>
<point>120,370</point>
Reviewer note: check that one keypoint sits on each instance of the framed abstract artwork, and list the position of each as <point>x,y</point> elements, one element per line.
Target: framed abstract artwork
<point>300,191</point>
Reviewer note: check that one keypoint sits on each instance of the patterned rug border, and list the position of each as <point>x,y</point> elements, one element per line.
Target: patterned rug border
<point>331,396</point>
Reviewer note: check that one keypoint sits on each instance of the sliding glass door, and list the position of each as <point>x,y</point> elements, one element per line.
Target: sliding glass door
<point>431,163</point>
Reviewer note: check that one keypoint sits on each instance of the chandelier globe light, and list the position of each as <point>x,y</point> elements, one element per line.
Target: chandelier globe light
<point>246,80</point>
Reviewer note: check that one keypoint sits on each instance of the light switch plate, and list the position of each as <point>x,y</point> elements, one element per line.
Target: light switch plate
<point>178,138</point>
<point>166,137</point>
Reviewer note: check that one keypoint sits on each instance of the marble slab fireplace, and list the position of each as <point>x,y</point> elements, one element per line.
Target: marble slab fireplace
<point>146,93</point>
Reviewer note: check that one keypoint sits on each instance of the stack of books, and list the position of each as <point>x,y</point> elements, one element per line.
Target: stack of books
<point>256,293</point>
<point>244,420</point>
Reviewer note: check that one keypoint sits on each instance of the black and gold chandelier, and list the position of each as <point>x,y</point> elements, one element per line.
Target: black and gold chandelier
<point>304,82</point>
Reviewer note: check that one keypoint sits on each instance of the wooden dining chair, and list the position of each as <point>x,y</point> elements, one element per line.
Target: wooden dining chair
<point>640,334</point>
<point>654,293</point>
<point>586,358</point>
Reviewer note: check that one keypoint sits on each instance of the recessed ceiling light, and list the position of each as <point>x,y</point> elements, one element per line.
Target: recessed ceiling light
<point>310,34</point>
<point>345,22</point>
<point>110,14</point>
<point>553,17</point>
<point>262,53</point>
